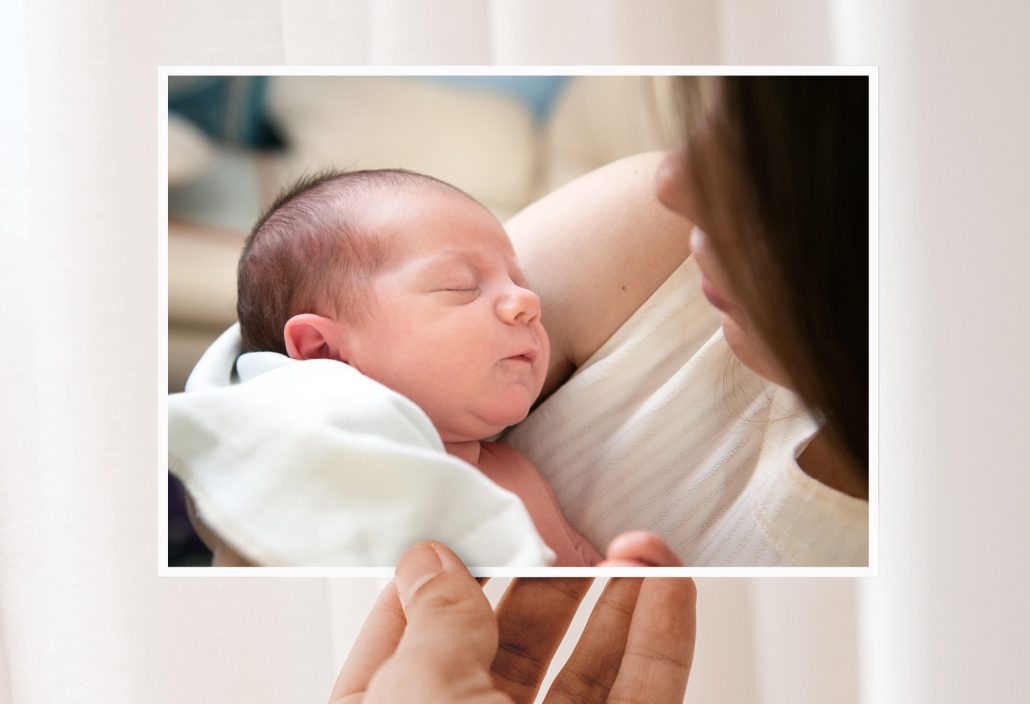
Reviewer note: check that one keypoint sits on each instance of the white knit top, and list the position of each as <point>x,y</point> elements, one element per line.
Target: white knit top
<point>664,429</point>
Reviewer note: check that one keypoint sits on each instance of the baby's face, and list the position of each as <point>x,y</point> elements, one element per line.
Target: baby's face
<point>452,323</point>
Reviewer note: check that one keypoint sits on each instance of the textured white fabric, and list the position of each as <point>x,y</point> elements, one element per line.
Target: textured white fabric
<point>312,463</point>
<point>663,429</point>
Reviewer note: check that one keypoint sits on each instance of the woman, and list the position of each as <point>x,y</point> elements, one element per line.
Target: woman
<point>660,420</point>
<point>770,196</point>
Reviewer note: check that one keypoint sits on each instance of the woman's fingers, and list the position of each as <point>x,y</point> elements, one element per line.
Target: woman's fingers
<point>375,643</point>
<point>660,644</point>
<point>432,631</point>
<point>444,605</point>
<point>590,672</point>
<point>533,616</point>
<point>640,547</point>
<point>451,634</point>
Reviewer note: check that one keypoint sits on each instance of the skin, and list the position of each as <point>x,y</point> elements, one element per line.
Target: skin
<point>433,637</point>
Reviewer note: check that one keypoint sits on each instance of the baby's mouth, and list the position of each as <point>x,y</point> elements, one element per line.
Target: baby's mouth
<point>529,356</point>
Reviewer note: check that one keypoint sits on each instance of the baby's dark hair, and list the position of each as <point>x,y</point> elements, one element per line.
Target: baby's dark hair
<point>312,252</point>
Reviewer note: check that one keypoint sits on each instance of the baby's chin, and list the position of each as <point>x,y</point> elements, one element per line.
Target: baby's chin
<point>482,423</point>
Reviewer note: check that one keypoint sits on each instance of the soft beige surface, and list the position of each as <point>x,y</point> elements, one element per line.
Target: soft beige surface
<point>599,119</point>
<point>201,293</point>
<point>202,275</point>
<point>482,142</point>
<point>189,151</point>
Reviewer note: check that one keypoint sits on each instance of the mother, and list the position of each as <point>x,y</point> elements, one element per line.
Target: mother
<point>654,418</point>
<point>770,196</point>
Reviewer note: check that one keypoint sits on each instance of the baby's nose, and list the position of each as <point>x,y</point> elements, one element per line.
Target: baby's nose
<point>520,305</point>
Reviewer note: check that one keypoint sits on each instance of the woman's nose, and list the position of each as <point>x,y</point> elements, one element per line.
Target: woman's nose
<point>518,305</point>
<point>672,183</point>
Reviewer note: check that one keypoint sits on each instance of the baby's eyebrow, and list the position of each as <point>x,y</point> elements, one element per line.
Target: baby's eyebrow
<point>475,261</point>
<point>443,263</point>
<point>449,257</point>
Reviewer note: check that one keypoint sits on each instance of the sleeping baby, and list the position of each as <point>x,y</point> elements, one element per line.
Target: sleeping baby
<point>415,284</point>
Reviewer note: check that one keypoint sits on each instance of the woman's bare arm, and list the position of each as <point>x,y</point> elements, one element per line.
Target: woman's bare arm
<point>595,250</point>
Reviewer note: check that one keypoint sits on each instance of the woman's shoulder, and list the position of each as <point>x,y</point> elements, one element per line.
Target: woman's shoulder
<point>595,250</point>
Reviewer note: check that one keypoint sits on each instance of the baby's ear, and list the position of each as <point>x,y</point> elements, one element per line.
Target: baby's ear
<point>310,336</point>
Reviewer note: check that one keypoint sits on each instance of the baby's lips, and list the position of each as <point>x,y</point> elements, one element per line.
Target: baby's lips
<point>530,355</point>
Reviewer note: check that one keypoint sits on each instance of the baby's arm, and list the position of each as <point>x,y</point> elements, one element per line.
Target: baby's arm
<point>512,471</point>
<point>583,547</point>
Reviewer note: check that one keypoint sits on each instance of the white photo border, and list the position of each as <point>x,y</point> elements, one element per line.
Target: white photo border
<point>165,72</point>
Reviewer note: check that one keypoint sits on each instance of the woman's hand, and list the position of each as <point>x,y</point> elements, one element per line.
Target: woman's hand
<point>432,637</point>
<point>639,548</point>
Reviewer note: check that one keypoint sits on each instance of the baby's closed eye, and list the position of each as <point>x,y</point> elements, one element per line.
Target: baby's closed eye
<point>459,294</point>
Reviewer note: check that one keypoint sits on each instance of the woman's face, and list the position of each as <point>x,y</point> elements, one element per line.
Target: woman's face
<point>677,192</point>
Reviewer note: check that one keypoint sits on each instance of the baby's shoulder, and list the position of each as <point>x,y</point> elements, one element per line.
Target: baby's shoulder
<point>511,470</point>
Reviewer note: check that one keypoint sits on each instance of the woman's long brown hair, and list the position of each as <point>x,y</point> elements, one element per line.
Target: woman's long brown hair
<point>781,165</point>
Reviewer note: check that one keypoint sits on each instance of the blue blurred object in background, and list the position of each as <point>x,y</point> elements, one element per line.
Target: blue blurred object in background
<point>229,109</point>
<point>537,92</point>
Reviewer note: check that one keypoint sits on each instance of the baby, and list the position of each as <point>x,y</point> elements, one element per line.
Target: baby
<point>415,284</point>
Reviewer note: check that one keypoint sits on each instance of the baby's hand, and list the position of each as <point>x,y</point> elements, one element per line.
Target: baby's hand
<point>639,548</point>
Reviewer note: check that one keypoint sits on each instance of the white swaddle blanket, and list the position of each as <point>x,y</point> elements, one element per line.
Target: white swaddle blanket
<point>312,463</point>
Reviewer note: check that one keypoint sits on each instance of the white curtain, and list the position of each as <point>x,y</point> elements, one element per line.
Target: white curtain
<point>83,616</point>
<point>948,617</point>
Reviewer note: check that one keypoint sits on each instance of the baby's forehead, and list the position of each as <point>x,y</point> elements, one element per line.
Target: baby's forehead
<point>434,218</point>
<point>383,204</point>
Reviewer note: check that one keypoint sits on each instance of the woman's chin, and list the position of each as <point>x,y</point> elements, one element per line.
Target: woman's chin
<point>752,352</point>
